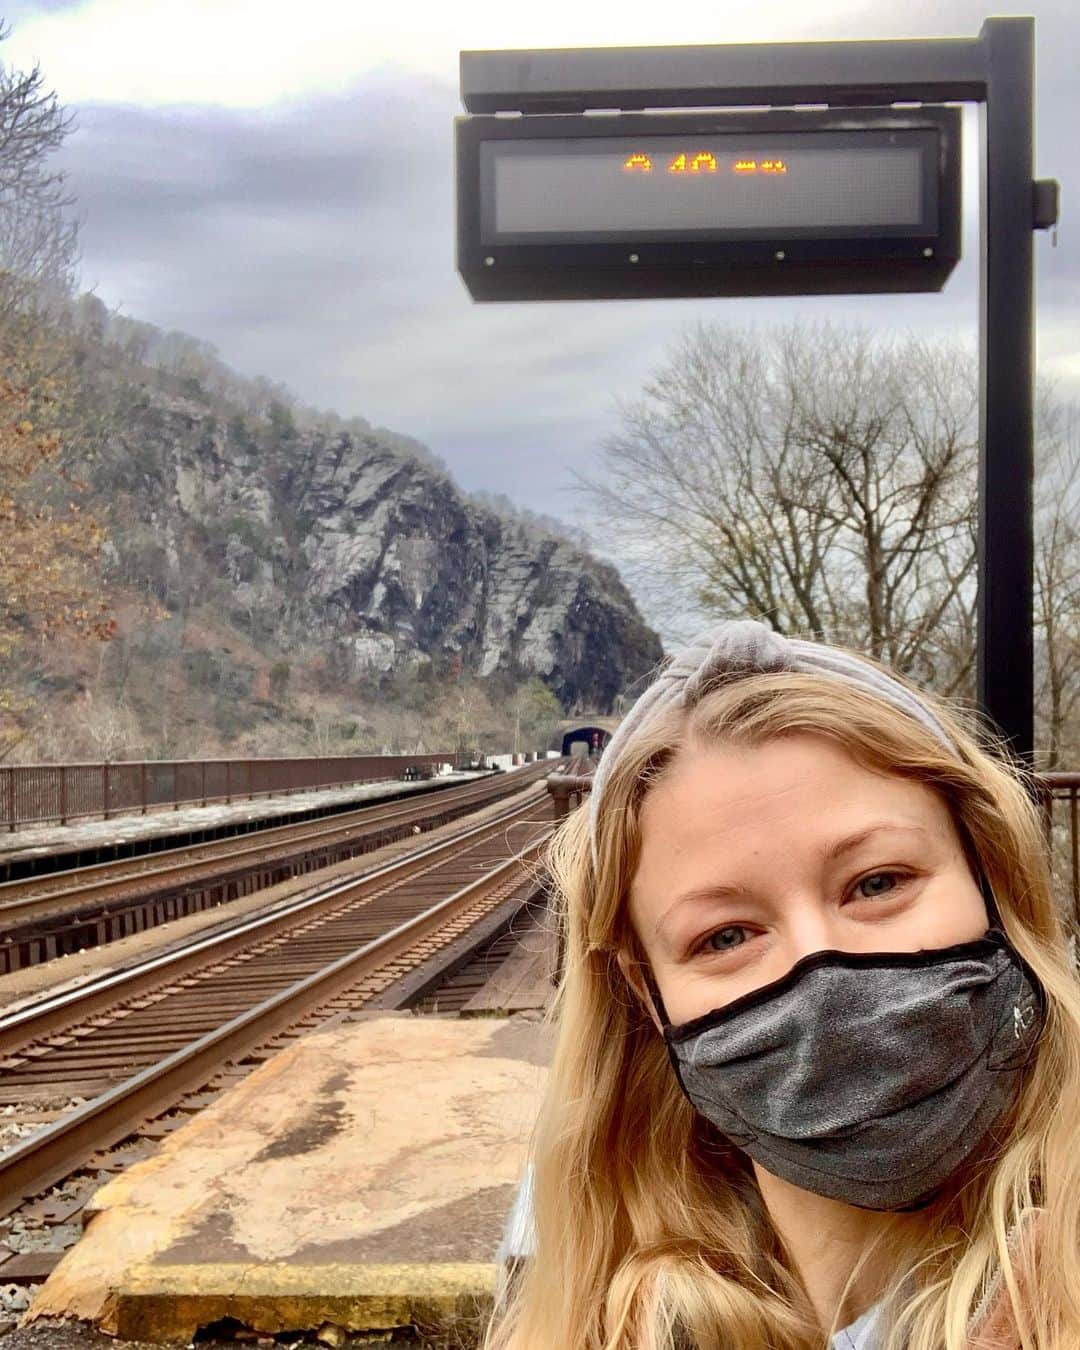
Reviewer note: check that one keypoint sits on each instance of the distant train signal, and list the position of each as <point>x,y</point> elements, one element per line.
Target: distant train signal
<point>772,203</point>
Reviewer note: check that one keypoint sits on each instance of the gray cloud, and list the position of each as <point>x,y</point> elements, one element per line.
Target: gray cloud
<point>313,243</point>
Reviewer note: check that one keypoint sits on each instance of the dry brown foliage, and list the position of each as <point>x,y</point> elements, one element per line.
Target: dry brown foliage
<point>50,547</point>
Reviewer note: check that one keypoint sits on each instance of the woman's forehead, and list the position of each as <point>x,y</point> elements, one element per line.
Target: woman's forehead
<point>793,792</point>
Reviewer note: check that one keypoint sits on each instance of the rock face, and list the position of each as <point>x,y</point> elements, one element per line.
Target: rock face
<point>343,536</point>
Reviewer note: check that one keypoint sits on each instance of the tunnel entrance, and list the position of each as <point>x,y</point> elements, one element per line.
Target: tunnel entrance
<point>583,741</point>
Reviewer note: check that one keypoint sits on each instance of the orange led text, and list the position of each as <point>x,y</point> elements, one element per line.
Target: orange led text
<point>760,166</point>
<point>700,163</point>
<point>704,161</point>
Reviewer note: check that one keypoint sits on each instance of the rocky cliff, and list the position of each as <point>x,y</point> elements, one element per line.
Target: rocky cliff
<point>315,533</point>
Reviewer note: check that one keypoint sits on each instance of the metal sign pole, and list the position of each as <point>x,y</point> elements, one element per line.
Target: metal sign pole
<point>995,70</point>
<point>1005,653</point>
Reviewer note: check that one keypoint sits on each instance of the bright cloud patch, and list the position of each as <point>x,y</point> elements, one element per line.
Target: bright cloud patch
<point>248,53</point>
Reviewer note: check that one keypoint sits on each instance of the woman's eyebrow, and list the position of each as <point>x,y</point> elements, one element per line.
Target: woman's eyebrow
<point>853,841</point>
<point>848,844</point>
<point>696,896</point>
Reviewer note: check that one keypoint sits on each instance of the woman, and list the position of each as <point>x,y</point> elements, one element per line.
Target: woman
<point>817,1077</point>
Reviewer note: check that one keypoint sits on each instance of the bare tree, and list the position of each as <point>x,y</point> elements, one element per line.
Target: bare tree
<point>322,732</point>
<point>1057,581</point>
<point>38,237</point>
<point>109,728</point>
<point>893,428</point>
<point>816,477</point>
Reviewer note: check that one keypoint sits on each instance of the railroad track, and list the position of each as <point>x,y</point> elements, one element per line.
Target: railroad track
<point>148,1040</point>
<point>528,931</point>
<point>63,912</point>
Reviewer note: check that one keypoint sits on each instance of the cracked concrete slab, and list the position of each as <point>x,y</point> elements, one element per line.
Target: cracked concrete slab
<point>362,1174</point>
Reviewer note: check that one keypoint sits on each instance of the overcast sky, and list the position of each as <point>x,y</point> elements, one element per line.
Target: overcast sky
<point>277,179</point>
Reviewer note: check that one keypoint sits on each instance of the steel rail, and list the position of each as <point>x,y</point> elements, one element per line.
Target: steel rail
<point>174,869</point>
<point>55,1012</point>
<point>59,1148</point>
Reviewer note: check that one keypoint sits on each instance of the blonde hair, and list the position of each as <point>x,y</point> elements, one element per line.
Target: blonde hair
<point>651,1233</point>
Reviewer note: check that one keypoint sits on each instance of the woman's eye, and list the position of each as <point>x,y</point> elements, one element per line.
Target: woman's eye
<point>880,883</point>
<point>724,939</point>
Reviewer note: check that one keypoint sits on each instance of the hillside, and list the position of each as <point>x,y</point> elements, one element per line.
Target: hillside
<point>285,580</point>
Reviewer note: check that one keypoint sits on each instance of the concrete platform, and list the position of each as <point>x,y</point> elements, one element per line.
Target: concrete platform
<point>162,822</point>
<point>361,1179</point>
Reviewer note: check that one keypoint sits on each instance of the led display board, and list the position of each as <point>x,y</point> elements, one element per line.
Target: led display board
<point>642,205</point>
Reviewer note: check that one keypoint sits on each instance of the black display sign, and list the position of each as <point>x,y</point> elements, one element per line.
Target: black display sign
<point>570,206</point>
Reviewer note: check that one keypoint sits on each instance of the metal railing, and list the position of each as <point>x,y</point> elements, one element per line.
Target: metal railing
<point>568,791</point>
<point>1061,809</point>
<point>36,794</point>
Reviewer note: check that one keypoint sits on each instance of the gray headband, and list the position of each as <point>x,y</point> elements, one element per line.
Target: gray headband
<point>745,647</point>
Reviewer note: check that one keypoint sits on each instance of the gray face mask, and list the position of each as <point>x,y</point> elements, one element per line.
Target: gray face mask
<point>866,1077</point>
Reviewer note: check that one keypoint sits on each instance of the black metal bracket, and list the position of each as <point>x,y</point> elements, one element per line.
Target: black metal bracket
<point>995,70</point>
<point>1046,203</point>
<point>781,74</point>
